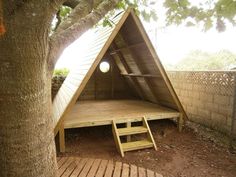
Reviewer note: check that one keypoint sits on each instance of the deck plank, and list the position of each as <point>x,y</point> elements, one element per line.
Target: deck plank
<point>109,170</point>
<point>117,170</point>
<point>79,167</point>
<point>125,170</point>
<point>133,171</point>
<point>70,169</point>
<point>65,165</point>
<point>94,168</point>
<point>141,172</point>
<point>61,162</point>
<point>150,173</point>
<point>84,167</point>
<point>102,168</point>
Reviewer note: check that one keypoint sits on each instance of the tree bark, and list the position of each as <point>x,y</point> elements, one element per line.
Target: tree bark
<point>26,134</point>
<point>27,146</point>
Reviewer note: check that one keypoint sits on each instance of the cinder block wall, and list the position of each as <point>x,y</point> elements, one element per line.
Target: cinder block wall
<point>207,96</point>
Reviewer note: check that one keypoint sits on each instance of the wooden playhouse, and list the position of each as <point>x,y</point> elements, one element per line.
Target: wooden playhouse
<point>134,88</point>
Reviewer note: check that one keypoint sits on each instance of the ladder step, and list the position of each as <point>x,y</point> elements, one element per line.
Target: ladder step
<point>132,130</point>
<point>135,145</point>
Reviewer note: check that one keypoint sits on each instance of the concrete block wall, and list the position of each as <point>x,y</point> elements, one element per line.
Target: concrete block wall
<point>207,96</point>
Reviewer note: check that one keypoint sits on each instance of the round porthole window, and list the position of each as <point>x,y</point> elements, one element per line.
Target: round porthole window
<point>104,67</point>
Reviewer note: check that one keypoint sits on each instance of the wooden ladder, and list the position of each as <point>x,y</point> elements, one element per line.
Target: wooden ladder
<point>132,130</point>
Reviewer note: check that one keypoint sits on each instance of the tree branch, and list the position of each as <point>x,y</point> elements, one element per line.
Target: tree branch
<point>62,38</point>
<point>84,8</point>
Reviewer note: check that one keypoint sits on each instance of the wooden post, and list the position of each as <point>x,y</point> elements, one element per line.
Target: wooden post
<point>112,80</point>
<point>128,124</point>
<point>62,138</point>
<point>180,122</point>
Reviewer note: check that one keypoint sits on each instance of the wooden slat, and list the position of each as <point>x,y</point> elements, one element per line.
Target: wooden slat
<point>94,168</point>
<point>158,175</point>
<point>133,171</point>
<point>79,167</point>
<point>125,170</point>
<point>86,168</point>
<point>141,172</point>
<point>74,166</point>
<point>117,170</point>
<point>131,130</point>
<point>109,170</point>
<point>112,52</point>
<point>62,161</point>
<point>69,170</point>
<point>102,168</point>
<point>135,145</point>
<point>141,75</point>
<point>150,173</point>
<point>65,165</point>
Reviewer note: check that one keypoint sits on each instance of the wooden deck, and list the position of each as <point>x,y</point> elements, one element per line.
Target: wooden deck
<point>84,167</point>
<point>102,112</point>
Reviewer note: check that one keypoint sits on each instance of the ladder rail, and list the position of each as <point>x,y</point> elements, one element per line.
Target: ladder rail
<point>150,136</point>
<point>117,138</point>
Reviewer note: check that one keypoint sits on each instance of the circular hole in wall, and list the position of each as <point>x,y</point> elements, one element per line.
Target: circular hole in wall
<point>104,67</point>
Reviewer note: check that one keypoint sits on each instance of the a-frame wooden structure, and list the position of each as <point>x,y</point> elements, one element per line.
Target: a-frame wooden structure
<point>128,46</point>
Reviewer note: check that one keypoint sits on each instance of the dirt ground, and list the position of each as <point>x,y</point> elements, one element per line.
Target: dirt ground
<point>179,154</point>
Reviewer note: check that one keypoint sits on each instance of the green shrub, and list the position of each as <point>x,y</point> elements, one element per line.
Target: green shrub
<point>61,72</point>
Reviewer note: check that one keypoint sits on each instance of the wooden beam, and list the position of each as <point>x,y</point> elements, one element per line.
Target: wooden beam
<point>113,52</point>
<point>139,68</point>
<point>141,75</point>
<point>127,69</point>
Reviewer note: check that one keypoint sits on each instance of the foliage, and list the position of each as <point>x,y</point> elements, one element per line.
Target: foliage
<point>199,60</point>
<point>209,13</point>
<point>61,72</point>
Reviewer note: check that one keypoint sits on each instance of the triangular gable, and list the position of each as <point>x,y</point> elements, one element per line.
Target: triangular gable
<point>108,38</point>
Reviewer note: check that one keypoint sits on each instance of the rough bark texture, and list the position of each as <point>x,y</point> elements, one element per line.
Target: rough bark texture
<point>26,134</point>
<point>27,146</point>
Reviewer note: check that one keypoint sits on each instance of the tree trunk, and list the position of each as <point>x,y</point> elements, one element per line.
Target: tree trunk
<point>27,146</point>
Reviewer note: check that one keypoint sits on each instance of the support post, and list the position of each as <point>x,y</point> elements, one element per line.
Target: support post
<point>62,138</point>
<point>180,122</point>
<point>128,124</point>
